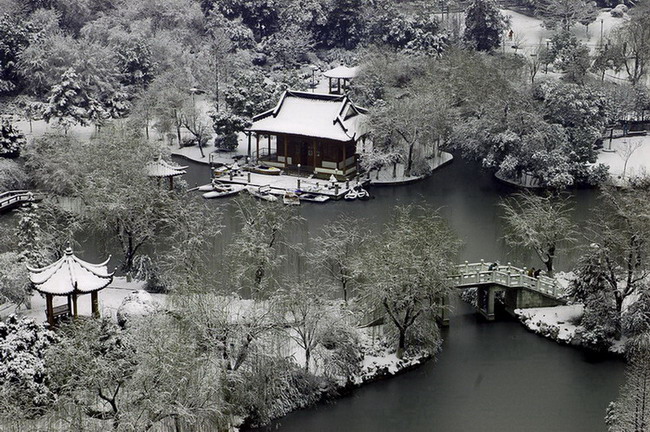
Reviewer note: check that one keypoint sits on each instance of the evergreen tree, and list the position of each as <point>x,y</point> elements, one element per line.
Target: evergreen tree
<point>484,25</point>
<point>345,25</point>
<point>68,102</point>
<point>11,140</point>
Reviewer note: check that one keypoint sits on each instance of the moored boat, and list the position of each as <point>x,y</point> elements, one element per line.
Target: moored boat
<point>264,169</point>
<point>313,197</point>
<point>291,198</point>
<point>262,192</point>
<point>221,190</point>
<point>351,195</point>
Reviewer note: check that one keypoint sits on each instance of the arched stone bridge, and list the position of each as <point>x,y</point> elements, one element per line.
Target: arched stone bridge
<point>519,289</point>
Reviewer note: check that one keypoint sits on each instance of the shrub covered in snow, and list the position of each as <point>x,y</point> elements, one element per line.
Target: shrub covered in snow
<point>24,389</point>
<point>286,387</point>
<point>138,303</point>
<point>12,175</point>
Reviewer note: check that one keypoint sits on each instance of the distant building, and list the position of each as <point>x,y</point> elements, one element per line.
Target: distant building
<point>310,132</point>
<point>339,78</point>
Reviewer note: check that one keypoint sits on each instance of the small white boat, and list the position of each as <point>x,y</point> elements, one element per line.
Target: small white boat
<point>222,191</point>
<point>362,194</point>
<point>351,195</point>
<point>262,192</point>
<point>264,169</point>
<point>206,188</point>
<point>291,198</point>
<point>313,197</point>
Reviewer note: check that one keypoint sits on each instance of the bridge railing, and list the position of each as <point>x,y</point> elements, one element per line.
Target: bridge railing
<point>470,274</point>
<point>8,199</point>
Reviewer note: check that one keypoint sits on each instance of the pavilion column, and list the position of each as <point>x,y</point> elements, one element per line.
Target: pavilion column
<point>50,309</point>
<point>94,304</point>
<point>171,183</point>
<point>330,85</point>
<point>257,146</point>
<point>69,304</point>
<point>345,159</point>
<point>285,151</point>
<point>314,145</point>
<point>249,146</point>
<point>74,305</point>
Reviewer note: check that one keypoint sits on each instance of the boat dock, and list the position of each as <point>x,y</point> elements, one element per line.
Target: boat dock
<point>280,183</point>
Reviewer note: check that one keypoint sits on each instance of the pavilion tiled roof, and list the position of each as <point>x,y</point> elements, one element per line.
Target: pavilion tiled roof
<point>316,115</point>
<point>342,72</point>
<point>70,275</point>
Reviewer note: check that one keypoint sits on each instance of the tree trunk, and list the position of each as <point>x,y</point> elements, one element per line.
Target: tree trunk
<point>402,344</point>
<point>307,359</point>
<point>409,163</point>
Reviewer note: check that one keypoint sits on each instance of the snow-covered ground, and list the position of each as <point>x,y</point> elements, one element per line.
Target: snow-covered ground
<point>561,324</point>
<point>637,152</point>
<point>385,175</point>
<point>529,33</point>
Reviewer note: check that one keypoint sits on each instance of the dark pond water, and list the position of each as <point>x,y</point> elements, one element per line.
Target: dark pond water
<point>489,376</point>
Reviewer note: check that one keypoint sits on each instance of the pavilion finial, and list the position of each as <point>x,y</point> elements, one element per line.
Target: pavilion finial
<point>68,248</point>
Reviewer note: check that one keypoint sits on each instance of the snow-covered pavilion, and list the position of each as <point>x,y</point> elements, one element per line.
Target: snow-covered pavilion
<point>340,77</point>
<point>313,132</point>
<point>70,277</point>
<point>160,168</point>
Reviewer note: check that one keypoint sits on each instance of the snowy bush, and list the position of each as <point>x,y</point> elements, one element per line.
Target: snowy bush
<point>599,323</point>
<point>24,389</point>
<point>136,304</point>
<point>14,280</point>
<point>12,175</point>
<point>274,387</point>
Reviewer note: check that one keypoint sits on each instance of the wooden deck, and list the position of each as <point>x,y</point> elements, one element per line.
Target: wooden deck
<point>280,183</point>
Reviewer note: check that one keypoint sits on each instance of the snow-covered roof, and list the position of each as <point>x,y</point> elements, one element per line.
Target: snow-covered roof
<point>162,168</point>
<point>342,72</point>
<point>316,115</point>
<point>69,275</point>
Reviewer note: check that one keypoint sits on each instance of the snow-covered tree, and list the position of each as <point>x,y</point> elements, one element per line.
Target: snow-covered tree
<point>344,26</point>
<point>11,140</point>
<point>564,14</point>
<point>632,41</point>
<point>406,276</point>
<point>256,251</point>
<point>617,264</point>
<point>415,124</point>
<point>336,250</point>
<point>307,312</point>
<point>226,125</point>
<point>24,387</point>
<point>541,223</point>
<point>631,411</point>
<point>68,102</point>
<point>484,25</point>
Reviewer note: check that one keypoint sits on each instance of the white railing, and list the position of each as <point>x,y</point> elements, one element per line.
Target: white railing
<point>8,199</point>
<point>473,274</point>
